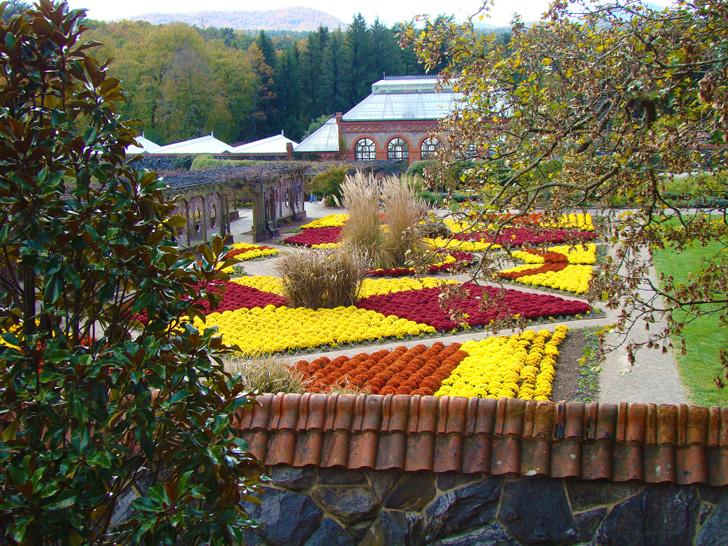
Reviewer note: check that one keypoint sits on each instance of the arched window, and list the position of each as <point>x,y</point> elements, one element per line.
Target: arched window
<point>398,149</point>
<point>429,147</point>
<point>365,150</point>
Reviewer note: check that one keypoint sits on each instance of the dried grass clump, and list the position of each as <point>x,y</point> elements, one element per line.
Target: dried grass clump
<point>317,279</point>
<point>363,229</point>
<point>268,374</point>
<point>403,210</point>
<point>400,241</point>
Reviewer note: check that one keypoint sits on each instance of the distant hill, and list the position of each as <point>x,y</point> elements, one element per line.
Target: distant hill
<point>293,19</point>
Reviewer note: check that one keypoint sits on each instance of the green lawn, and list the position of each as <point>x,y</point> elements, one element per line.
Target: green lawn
<point>704,337</point>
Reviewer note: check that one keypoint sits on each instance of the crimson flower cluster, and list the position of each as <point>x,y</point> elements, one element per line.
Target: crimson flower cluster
<point>519,236</point>
<point>461,258</point>
<point>238,296</point>
<point>476,305</point>
<point>315,236</point>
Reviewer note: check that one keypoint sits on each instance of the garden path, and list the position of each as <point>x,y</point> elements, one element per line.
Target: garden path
<point>653,379</point>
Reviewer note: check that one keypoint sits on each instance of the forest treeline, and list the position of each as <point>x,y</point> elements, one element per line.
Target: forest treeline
<point>184,82</point>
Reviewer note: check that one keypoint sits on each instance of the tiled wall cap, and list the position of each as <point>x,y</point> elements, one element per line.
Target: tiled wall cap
<point>645,442</point>
<point>574,427</point>
<point>667,424</point>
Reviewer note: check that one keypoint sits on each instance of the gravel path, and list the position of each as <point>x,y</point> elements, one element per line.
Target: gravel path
<point>653,379</point>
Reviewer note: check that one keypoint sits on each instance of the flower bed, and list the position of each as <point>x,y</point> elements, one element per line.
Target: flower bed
<point>423,306</point>
<point>252,313</point>
<point>377,287</point>
<point>519,236</point>
<point>321,237</point>
<point>521,365</point>
<point>272,329</point>
<point>459,244</point>
<point>578,221</point>
<point>246,251</point>
<point>370,287</point>
<point>238,296</point>
<point>518,366</point>
<point>560,269</point>
<point>578,254</point>
<point>419,370</point>
<point>330,220</point>
<point>451,260</point>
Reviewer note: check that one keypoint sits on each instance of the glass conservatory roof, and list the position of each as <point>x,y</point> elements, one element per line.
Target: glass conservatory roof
<point>323,139</point>
<point>402,98</point>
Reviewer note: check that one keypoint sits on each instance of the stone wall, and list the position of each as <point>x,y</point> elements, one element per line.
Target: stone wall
<point>336,507</point>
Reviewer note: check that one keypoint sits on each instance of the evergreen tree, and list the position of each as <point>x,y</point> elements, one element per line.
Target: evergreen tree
<point>265,45</point>
<point>359,50</point>
<point>263,118</point>
<point>386,53</point>
<point>335,75</point>
<point>311,68</point>
<point>288,92</point>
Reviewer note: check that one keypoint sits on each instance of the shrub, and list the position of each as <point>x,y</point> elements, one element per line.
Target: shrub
<point>431,198</point>
<point>182,162</point>
<point>105,386</point>
<point>328,184</point>
<point>204,162</point>
<point>418,168</point>
<point>267,374</point>
<point>322,278</point>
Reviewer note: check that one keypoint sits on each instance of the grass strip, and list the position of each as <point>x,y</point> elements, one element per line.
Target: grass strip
<point>704,336</point>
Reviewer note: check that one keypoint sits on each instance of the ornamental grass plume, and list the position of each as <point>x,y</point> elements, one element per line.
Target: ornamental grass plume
<point>401,240</point>
<point>270,374</point>
<point>323,278</point>
<point>403,210</point>
<point>363,229</point>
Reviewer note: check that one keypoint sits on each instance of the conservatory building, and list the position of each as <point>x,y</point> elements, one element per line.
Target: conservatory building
<point>398,121</point>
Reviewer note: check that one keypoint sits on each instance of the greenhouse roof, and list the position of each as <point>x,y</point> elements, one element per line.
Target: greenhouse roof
<point>145,145</point>
<point>403,98</point>
<point>202,145</point>
<point>271,145</point>
<point>323,139</point>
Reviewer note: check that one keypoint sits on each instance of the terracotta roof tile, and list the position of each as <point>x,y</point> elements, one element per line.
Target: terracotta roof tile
<point>682,424</point>
<point>718,466</point>
<point>363,449</point>
<point>596,460</point>
<point>535,457</point>
<point>420,453</point>
<point>392,450</point>
<point>645,442</point>
<point>476,453</point>
<point>667,424</point>
<point>692,464</point>
<point>566,459</point>
<point>506,458</point>
<point>627,462</point>
<point>606,428</point>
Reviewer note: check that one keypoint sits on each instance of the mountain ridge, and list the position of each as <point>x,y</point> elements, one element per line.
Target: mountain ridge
<point>293,19</point>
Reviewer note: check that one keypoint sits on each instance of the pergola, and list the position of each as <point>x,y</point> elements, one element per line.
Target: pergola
<point>277,187</point>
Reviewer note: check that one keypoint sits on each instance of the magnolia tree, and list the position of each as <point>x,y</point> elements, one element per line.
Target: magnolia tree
<point>107,393</point>
<point>600,102</point>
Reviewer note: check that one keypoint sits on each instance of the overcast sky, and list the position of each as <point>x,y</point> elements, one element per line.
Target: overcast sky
<point>388,11</point>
